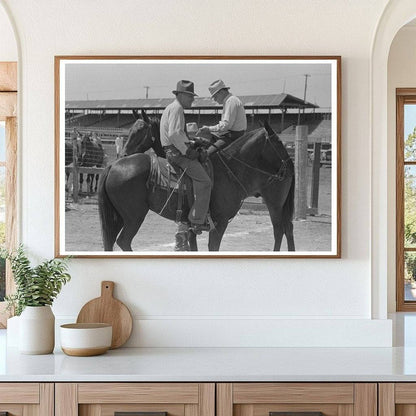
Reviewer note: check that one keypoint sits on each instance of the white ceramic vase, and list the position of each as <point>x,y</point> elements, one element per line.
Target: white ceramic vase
<point>37,330</point>
<point>13,331</point>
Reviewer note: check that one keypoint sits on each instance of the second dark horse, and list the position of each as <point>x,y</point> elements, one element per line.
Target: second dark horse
<point>255,164</point>
<point>92,156</point>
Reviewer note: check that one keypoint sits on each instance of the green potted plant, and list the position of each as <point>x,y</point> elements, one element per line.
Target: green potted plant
<point>36,289</point>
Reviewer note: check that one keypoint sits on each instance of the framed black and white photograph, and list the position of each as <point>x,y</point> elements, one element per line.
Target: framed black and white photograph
<point>197,156</point>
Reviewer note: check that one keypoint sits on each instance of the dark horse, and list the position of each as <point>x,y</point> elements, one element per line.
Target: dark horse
<point>92,155</point>
<point>255,164</point>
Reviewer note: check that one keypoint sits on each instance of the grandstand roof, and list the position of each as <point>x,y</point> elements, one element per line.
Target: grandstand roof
<point>250,102</point>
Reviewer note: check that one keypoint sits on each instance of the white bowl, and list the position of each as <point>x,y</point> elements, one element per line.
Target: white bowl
<point>84,340</point>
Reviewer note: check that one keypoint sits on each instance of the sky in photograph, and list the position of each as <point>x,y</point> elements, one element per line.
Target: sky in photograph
<point>101,81</point>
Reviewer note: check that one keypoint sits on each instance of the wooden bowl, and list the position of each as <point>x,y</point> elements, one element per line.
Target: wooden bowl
<point>84,340</point>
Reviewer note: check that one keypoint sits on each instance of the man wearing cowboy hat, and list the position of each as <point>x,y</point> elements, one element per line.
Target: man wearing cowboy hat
<point>233,122</point>
<point>174,141</point>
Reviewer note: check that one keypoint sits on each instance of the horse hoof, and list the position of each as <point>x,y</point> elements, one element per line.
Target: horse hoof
<point>181,242</point>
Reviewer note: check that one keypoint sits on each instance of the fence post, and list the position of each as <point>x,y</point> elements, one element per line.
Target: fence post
<point>75,179</point>
<point>315,178</point>
<point>301,165</point>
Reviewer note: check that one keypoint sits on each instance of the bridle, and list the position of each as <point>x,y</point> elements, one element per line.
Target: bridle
<point>272,177</point>
<point>282,172</point>
<point>148,138</point>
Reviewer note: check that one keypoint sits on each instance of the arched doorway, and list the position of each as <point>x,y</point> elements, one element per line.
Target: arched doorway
<point>396,14</point>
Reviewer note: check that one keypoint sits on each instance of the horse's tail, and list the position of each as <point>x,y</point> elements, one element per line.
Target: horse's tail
<point>111,221</point>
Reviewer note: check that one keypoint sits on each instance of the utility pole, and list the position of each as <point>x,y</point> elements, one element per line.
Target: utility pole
<point>306,86</point>
<point>147,91</point>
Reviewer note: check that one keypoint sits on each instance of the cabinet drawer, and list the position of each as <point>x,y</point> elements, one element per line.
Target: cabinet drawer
<point>296,399</point>
<point>397,399</point>
<point>107,399</point>
<point>21,399</point>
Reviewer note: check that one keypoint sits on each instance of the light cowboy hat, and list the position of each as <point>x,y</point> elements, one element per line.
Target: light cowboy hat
<point>191,128</point>
<point>185,86</point>
<point>216,86</point>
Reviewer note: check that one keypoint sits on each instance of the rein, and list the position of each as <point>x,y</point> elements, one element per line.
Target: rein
<point>283,168</point>
<point>231,172</point>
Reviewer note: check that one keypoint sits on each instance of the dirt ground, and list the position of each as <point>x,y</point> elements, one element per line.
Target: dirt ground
<point>250,230</point>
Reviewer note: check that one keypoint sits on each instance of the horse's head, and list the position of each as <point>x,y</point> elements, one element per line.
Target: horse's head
<point>92,152</point>
<point>85,140</point>
<point>82,146</point>
<point>261,149</point>
<point>143,135</point>
<point>274,152</point>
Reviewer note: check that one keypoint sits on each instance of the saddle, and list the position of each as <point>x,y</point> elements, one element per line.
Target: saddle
<point>173,181</point>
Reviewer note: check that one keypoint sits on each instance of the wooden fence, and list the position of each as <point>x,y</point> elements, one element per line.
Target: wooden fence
<point>75,170</point>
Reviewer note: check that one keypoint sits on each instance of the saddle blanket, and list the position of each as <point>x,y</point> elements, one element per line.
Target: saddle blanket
<point>163,175</point>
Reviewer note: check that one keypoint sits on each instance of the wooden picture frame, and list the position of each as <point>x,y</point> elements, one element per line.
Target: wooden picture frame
<point>96,101</point>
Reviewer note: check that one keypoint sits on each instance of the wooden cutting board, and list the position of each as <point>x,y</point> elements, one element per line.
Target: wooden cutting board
<point>107,309</point>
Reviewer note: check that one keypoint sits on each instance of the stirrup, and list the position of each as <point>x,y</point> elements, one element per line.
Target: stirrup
<point>198,228</point>
<point>207,226</point>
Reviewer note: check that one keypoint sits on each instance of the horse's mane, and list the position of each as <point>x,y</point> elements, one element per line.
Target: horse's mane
<point>251,144</point>
<point>138,125</point>
<point>137,143</point>
<point>236,146</point>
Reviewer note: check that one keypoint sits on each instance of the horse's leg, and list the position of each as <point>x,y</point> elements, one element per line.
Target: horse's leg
<point>193,245</point>
<point>129,195</point>
<point>275,212</point>
<point>130,229</point>
<point>89,183</point>
<point>97,177</point>
<point>81,181</point>
<point>278,232</point>
<point>289,236</point>
<point>215,235</point>
<point>133,208</point>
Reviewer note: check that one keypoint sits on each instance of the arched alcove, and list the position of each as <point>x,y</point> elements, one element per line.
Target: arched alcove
<point>396,14</point>
<point>8,44</point>
<point>401,73</point>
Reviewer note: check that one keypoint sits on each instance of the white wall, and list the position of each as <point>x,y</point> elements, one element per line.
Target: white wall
<point>401,74</point>
<point>8,46</point>
<point>211,302</point>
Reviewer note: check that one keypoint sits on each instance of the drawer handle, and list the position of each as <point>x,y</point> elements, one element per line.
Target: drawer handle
<point>296,414</point>
<point>138,414</point>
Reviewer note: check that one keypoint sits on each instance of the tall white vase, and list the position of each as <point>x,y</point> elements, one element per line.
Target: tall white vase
<point>37,330</point>
<point>13,331</point>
